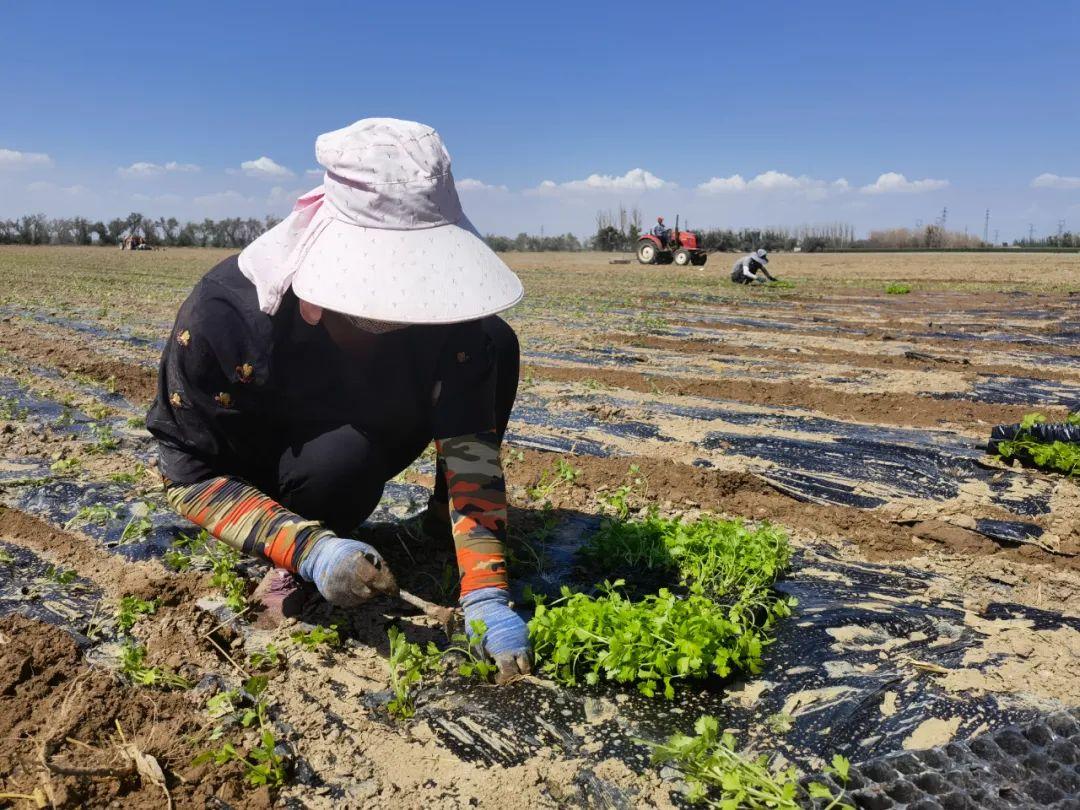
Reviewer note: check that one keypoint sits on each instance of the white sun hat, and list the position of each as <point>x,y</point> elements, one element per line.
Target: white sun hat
<point>384,236</point>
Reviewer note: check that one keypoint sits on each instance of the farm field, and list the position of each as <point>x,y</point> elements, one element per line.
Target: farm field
<point>936,589</point>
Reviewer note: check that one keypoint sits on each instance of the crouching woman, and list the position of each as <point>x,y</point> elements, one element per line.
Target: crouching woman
<point>306,372</point>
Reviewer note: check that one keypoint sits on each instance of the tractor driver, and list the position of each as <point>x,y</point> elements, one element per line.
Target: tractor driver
<point>660,231</point>
<point>312,368</point>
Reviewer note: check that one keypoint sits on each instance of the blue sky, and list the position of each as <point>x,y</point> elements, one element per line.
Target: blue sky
<point>730,114</point>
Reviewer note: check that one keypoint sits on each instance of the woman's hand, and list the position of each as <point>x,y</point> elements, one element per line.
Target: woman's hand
<point>507,638</point>
<point>347,572</point>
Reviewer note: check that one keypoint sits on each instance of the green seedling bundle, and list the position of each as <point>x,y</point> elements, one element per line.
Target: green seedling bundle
<point>720,625</point>
<point>709,555</point>
<point>652,642</point>
<point>1055,456</point>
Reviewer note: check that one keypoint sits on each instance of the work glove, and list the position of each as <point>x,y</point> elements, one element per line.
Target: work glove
<point>347,572</point>
<point>507,638</point>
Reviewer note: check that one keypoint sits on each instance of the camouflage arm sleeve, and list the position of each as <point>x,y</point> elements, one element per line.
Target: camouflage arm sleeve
<point>242,517</point>
<point>477,490</point>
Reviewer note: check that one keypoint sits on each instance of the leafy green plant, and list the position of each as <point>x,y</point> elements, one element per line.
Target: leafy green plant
<point>58,576</point>
<point>633,490</point>
<point>721,777</point>
<point>5,557</point>
<point>104,439</point>
<point>408,663</point>
<point>780,284</point>
<point>648,322</point>
<point>203,551</point>
<point>472,661</point>
<point>136,529</point>
<point>268,658</point>
<point>11,411</point>
<point>65,466</point>
<point>262,763</point>
<point>98,514</point>
<point>131,609</point>
<point>97,411</point>
<point>65,419</point>
<point>898,288</point>
<point>560,474</point>
<point>133,664</point>
<point>128,477</point>
<point>1056,456</point>
<point>653,642</point>
<point>317,637</point>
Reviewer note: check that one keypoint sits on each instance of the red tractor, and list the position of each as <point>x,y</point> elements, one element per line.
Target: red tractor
<point>680,247</point>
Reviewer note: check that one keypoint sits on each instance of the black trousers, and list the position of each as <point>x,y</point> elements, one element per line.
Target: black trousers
<point>338,477</point>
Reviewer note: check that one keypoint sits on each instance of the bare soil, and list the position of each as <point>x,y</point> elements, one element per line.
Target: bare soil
<point>134,382</point>
<point>893,408</point>
<point>67,729</point>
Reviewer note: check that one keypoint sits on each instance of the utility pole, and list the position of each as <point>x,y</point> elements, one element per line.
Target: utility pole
<point>1061,229</point>
<point>986,225</point>
<point>996,232</point>
<point>944,216</point>
<point>1031,234</point>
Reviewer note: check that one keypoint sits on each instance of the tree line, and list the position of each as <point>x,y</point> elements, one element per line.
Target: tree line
<point>1065,239</point>
<point>38,229</point>
<point>616,231</point>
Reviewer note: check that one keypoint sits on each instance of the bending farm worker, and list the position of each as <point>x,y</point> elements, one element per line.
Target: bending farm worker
<point>746,269</point>
<point>306,372</point>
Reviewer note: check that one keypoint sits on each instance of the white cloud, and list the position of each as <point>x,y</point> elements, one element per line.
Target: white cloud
<point>774,181</point>
<point>44,186</point>
<point>264,168</point>
<point>173,166</point>
<point>894,183</point>
<point>1048,180</point>
<point>314,173</point>
<point>14,159</point>
<point>723,185</point>
<point>471,184</point>
<point>145,169</point>
<point>633,180</point>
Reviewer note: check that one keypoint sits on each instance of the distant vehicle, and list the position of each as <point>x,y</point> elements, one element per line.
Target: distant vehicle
<point>680,247</point>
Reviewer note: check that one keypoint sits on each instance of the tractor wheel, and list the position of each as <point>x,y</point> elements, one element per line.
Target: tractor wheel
<point>682,257</point>
<point>699,259</point>
<point>646,252</point>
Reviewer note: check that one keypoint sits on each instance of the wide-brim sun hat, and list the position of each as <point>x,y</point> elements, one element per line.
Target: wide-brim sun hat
<point>384,237</point>
<point>761,255</point>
